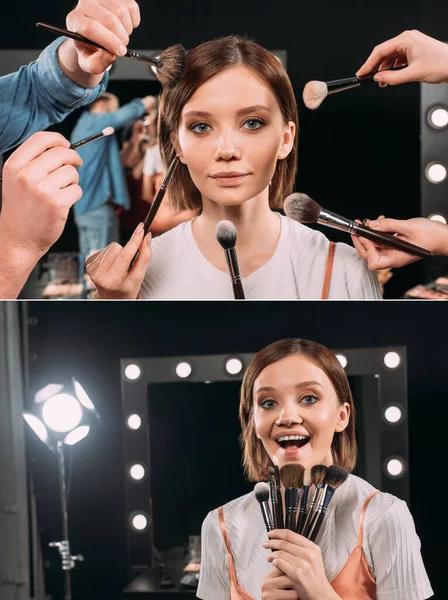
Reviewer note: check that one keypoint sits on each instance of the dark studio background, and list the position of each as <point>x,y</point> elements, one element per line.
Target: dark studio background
<point>77,339</point>
<point>359,153</point>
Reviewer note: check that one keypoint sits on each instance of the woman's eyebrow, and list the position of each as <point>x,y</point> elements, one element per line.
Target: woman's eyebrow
<point>241,112</point>
<point>266,388</point>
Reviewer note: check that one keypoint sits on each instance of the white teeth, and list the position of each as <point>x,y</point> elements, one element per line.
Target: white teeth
<point>288,438</point>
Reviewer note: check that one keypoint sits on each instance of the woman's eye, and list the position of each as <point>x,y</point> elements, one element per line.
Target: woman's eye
<point>267,403</point>
<point>254,124</point>
<point>200,128</point>
<point>309,399</point>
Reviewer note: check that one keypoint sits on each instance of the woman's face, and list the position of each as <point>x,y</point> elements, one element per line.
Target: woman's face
<point>231,134</point>
<point>297,412</point>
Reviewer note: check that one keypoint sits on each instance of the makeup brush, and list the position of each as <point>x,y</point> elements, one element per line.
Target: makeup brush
<point>157,201</point>
<point>315,92</point>
<point>334,478</point>
<point>273,495</point>
<point>303,209</point>
<point>302,506</point>
<point>261,490</point>
<point>278,490</point>
<point>226,236</point>
<point>318,473</point>
<point>104,133</point>
<point>169,66</point>
<point>291,476</point>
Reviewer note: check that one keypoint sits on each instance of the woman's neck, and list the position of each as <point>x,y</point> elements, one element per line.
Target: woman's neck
<point>258,232</point>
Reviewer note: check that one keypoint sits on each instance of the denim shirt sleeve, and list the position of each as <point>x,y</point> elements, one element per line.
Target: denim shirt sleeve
<point>39,95</point>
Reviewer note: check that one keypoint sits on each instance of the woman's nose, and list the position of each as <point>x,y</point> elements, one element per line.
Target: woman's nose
<point>227,148</point>
<point>290,414</point>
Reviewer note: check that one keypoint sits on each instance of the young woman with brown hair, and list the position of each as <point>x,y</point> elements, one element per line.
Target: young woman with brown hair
<point>367,548</point>
<point>233,122</point>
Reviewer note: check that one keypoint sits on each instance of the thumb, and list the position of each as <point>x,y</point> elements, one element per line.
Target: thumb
<point>397,77</point>
<point>390,226</point>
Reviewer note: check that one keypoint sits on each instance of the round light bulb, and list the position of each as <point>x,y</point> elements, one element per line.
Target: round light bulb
<point>132,372</point>
<point>139,522</point>
<point>392,360</point>
<point>234,366</point>
<point>393,414</point>
<point>183,370</point>
<point>342,359</point>
<point>137,472</point>
<point>134,421</point>
<point>436,172</point>
<point>62,413</point>
<point>395,467</point>
<point>438,117</point>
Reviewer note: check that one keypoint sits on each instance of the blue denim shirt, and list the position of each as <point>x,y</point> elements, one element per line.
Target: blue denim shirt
<point>101,176</point>
<point>39,95</point>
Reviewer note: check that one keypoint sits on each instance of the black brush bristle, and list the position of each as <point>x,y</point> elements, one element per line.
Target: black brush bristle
<point>300,207</point>
<point>261,490</point>
<point>174,62</point>
<point>226,234</point>
<point>318,473</point>
<point>291,475</point>
<point>336,476</point>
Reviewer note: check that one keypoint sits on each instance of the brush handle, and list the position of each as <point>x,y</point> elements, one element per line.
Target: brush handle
<point>310,509</point>
<point>232,265</point>
<point>157,62</point>
<point>321,514</point>
<point>157,201</point>
<point>273,501</point>
<point>267,516</point>
<point>278,490</point>
<point>302,509</point>
<point>291,504</point>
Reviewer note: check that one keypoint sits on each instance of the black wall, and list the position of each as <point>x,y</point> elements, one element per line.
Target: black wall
<point>88,339</point>
<point>359,153</point>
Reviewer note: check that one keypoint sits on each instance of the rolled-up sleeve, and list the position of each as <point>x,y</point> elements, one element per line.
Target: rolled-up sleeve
<point>39,95</point>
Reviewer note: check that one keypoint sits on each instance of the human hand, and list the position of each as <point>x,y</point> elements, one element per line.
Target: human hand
<point>150,103</point>
<point>277,586</point>
<point>40,184</point>
<point>110,268</point>
<point>431,235</point>
<point>301,561</point>
<point>427,59</point>
<point>106,22</point>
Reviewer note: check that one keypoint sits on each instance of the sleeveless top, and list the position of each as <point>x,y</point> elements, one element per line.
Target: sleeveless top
<point>355,581</point>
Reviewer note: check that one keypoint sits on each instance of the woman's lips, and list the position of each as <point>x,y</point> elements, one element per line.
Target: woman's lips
<point>290,451</point>
<point>228,180</point>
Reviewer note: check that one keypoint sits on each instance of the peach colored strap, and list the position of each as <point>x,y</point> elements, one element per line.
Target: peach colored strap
<point>361,518</point>
<point>328,271</point>
<point>236,591</point>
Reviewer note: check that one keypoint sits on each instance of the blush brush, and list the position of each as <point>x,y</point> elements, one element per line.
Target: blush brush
<point>303,209</point>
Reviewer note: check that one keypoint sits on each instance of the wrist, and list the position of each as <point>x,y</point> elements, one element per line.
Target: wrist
<point>69,63</point>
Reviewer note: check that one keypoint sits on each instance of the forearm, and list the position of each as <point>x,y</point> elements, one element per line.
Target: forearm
<point>68,61</point>
<point>15,268</point>
<point>130,155</point>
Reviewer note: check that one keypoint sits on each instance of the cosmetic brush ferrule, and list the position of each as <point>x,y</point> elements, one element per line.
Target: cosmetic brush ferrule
<point>326,217</point>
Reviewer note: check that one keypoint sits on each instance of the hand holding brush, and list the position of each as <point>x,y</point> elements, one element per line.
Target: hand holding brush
<point>303,209</point>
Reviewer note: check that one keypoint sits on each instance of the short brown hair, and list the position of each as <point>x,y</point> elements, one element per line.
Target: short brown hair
<point>344,448</point>
<point>203,62</point>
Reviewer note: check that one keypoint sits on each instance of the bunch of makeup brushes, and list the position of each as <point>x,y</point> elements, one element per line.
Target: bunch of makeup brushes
<point>303,505</point>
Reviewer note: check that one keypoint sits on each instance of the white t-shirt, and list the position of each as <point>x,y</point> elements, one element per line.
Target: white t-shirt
<point>390,543</point>
<point>178,269</point>
<point>153,161</point>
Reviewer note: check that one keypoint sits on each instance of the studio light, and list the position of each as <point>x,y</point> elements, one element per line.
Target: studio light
<point>437,217</point>
<point>134,421</point>
<point>436,172</point>
<point>342,359</point>
<point>137,472</point>
<point>132,372</point>
<point>392,360</point>
<point>139,522</point>
<point>234,366</point>
<point>60,416</point>
<point>395,467</point>
<point>438,117</point>
<point>183,370</point>
<point>393,414</point>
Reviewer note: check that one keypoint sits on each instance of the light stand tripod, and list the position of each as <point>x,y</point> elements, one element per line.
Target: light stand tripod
<point>68,561</point>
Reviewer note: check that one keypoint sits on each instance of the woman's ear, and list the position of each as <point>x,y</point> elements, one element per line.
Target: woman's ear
<point>288,140</point>
<point>175,142</point>
<point>344,417</point>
